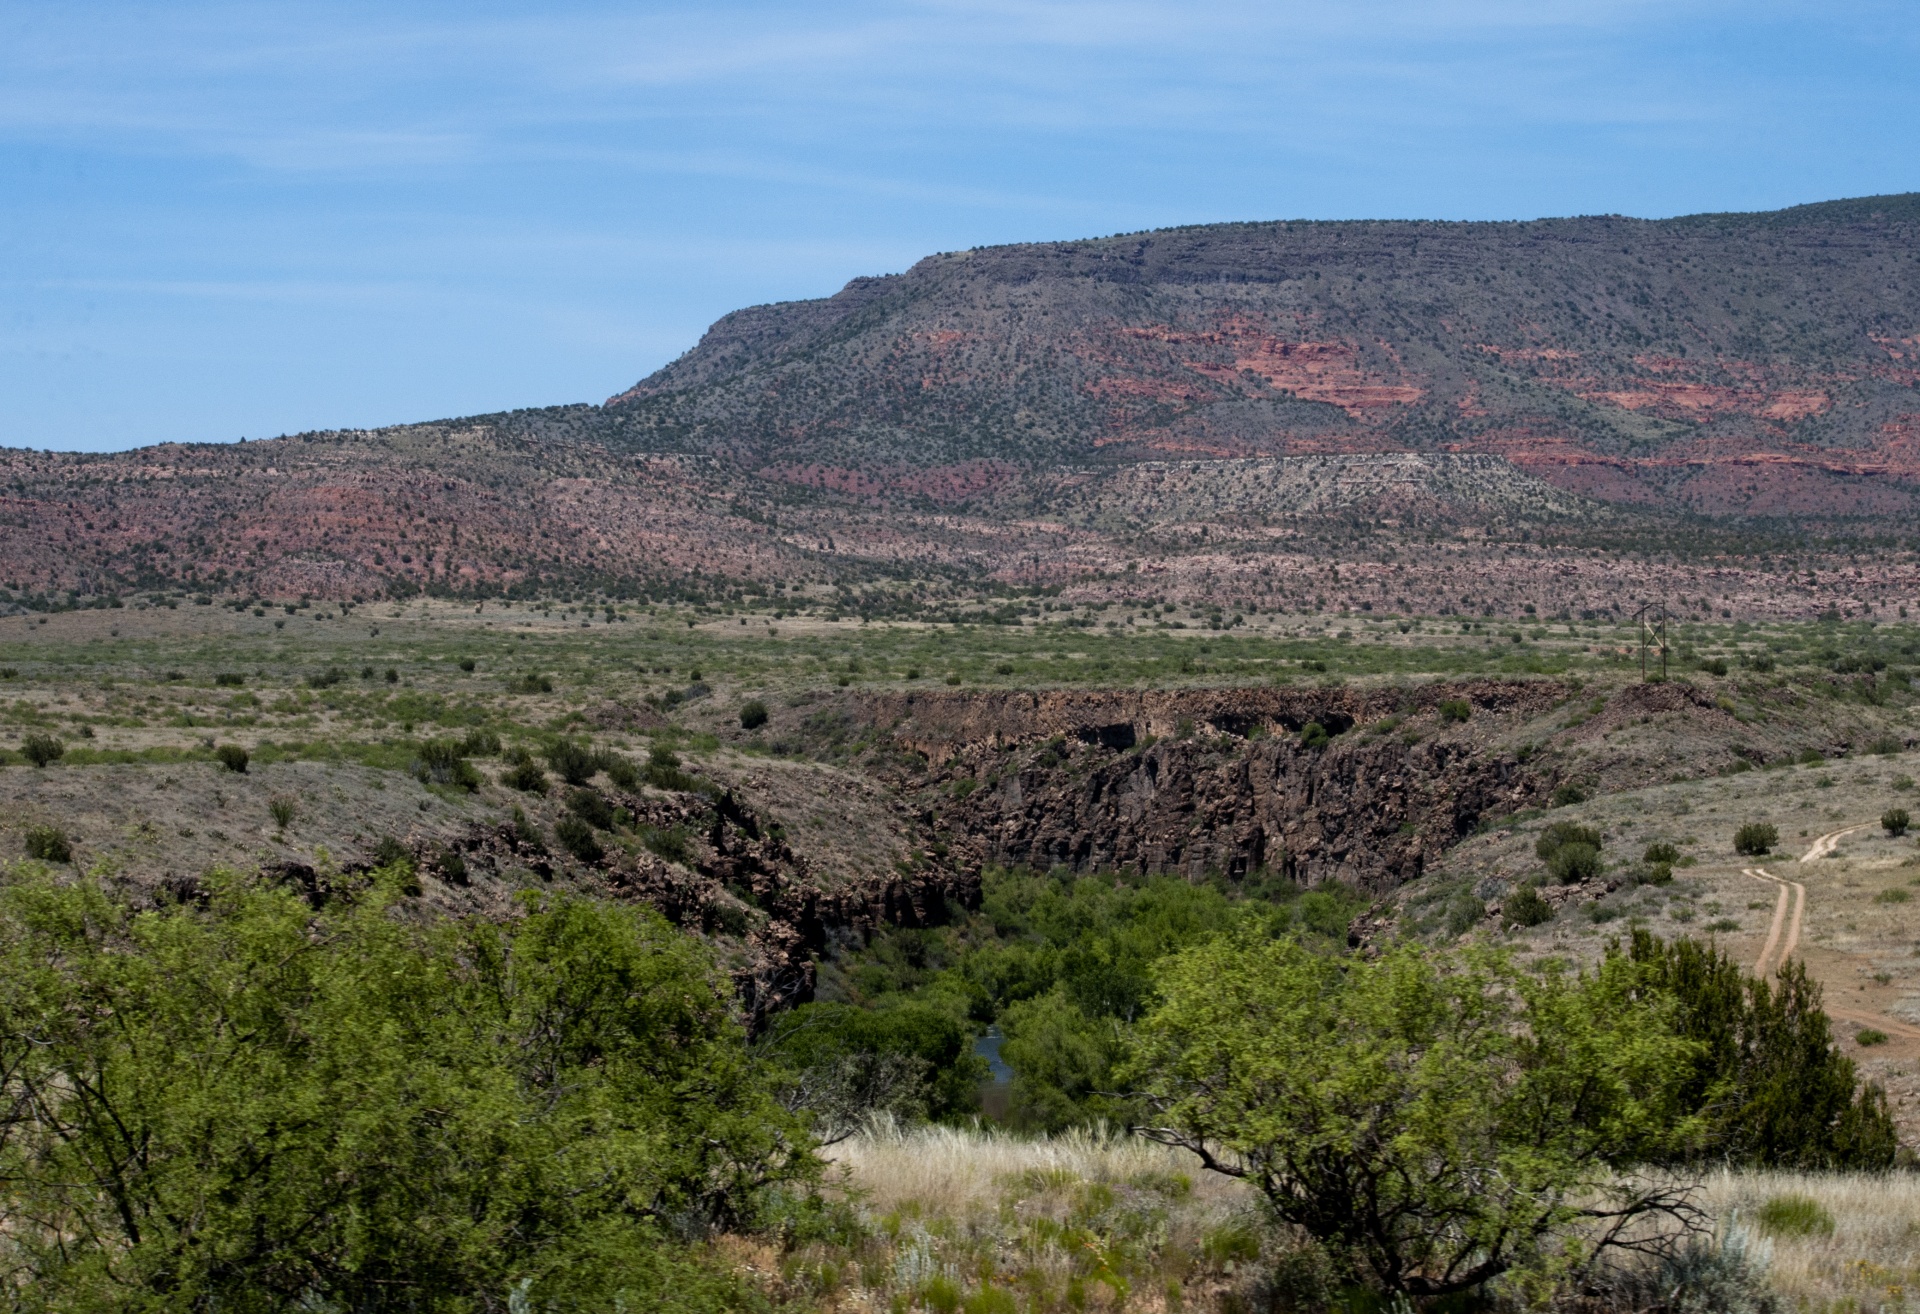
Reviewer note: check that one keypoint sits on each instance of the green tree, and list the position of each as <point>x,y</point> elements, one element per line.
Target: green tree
<point>1434,1120</point>
<point>254,1106</point>
<point>1776,1090</point>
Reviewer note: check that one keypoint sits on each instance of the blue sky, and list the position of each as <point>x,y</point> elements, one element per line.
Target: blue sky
<point>223,220</point>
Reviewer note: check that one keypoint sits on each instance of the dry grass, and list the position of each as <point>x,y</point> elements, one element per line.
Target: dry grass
<point>954,1172</point>
<point>1092,1221</point>
<point>1870,1262</point>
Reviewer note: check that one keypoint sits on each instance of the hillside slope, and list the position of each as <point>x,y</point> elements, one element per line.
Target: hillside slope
<point>1755,364</point>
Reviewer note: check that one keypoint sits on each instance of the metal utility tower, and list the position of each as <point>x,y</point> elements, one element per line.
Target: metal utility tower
<point>1652,622</point>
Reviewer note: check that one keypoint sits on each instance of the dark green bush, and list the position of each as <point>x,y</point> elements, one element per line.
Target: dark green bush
<point>526,776</point>
<point>1573,863</point>
<point>229,679</point>
<point>480,743</point>
<point>1455,710</point>
<point>1567,794</point>
<point>1661,853</point>
<point>532,684</point>
<point>1524,907</point>
<point>1895,821</point>
<point>1755,838</point>
<point>572,761</point>
<point>233,757</point>
<point>1313,735</point>
<point>390,852</point>
<point>622,772</point>
<point>48,844</point>
<point>1562,833</point>
<point>577,838</point>
<point>753,715</point>
<point>587,805</point>
<point>42,749</point>
<point>443,762</point>
<point>1779,1094</point>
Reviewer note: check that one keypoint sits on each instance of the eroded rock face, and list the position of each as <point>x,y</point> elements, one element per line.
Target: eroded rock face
<point>1200,781</point>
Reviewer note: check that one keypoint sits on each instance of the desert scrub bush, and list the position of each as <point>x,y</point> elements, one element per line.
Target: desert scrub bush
<point>665,772</point>
<point>1574,863</point>
<point>480,742</point>
<point>587,805</point>
<point>1314,736</point>
<point>349,1108</point>
<point>233,757</point>
<point>1794,1215</point>
<point>1566,795</point>
<point>1869,1036</point>
<point>42,749</point>
<point>229,679</point>
<point>443,762</point>
<point>1562,833</point>
<point>1455,710</point>
<point>48,844</point>
<point>1524,906</point>
<point>1756,838</point>
<point>284,808</point>
<point>620,770</point>
<point>1895,821</point>
<point>572,761</point>
<point>670,843</point>
<point>1894,895</point>
<point>531,684</point>
<point>753,715</point>
<point>524,774</point>
<point>577,838</point>
<point>1660,854</point>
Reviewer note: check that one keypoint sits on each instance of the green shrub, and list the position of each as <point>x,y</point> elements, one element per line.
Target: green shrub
<point>467,664</point>
<point>233,757</point>
<point>1434,1118</point>
<point>527,777</point>
<point>283,808</point>
<point>229,679</point>
<point>753,715</point>
<point>1566,795</point>
<point>1524,906</point>
<point>577,838</point>
<point>1869,1036</point>
<point>587,805</point>
<point>1573,863</point>
<point>1455,710</point>
<point>1894,895</point>
<point>572,761</point>
<point>1755,838</point>
<point>671,843</point>
<point>1895,821</point>
<point>1562,833</point>
<point>390,852</point>
<point>356,1110</point>
<point>443,762</point>
<point>1661,853</point>
<point>620,770</point>
<point>531,684</point>
<point>480,743</point>
<point>48,844</point>
<point>1776,1090</point>
<point>41,749</point>
<point>1314,736</point>
<point>1794,1215</point>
